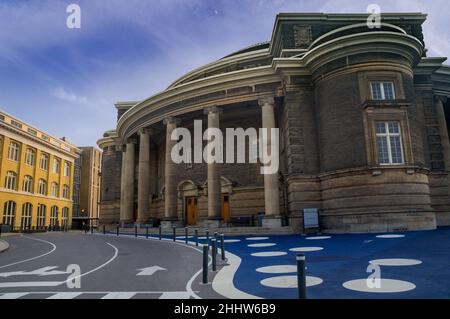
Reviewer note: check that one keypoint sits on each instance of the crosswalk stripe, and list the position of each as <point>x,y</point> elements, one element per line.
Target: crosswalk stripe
<point>119,295</point>
<point>13,295</point>
<point>65,295</point>
<point>175,295</point>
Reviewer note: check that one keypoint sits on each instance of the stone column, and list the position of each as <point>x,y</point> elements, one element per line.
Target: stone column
<point>171,193</point>
<point>214,182</point>
<point>126,214</point>
<point>122,185</point>
<point>144,176</point>
<point>443,130</point>
<point>272,216</point>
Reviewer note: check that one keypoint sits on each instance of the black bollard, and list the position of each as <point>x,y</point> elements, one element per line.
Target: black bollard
<point>135,231</point>
<point>216,236</point>
<point>174,228</point>
<point>196,237</point>
<point>222,246</point>
<point>207,237</point>
<point>214,254</point>
<point>1,226</point>
<point>301,276</point>
<point>186,233</point>
<point>104,230</point>
<point>160,232</point>
<point>205,264</point>
<point>92,228</point>
<point>146,232</point>
<point>118,229</point>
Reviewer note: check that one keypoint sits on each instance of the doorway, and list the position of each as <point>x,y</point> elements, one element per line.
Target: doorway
<point>226,213</point>
<point>191,211</point>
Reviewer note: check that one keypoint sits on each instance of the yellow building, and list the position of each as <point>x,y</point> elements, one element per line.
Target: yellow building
<point>36,177</point>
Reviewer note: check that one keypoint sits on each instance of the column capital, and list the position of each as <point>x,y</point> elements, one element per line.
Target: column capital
<point>171,120</point>
<point>440,98</point>
<point>146,131</point>
<point>269,100</point>
<point>131,140</point>
<point>212,109</point>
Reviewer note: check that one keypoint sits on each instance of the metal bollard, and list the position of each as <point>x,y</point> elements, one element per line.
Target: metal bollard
<point>135,231</point>
<point>92,228</point>
<point>186,233</point>
<point>118,228</point>
<point>222,246</point>
<point>205,264</point>
<point>104,230</point>
<point>160,232</point>
<point>214,254</point>
<point>1,226</point>
<point>216,235</point>
<point>301,276</point>
<point>207,237</point>
<point>196,237</point>
<point>146,232</point>
<point>174,233</point>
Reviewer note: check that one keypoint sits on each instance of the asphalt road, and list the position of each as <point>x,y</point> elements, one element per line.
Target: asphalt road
<point>35,266</point>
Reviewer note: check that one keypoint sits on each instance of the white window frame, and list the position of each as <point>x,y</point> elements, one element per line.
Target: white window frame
<point>55,189</point>
<point>27,213</point>
<point>13,151</point>
<point>41,215</point>
<point>56,165</point>
<point>30,156</point>
<point>66,192</point>
<point>11,180</point>
<point>66,169</point>
<point>42,187</point>
<point>382,91</point>
<point>54,211</point>
<point>9,213</point>
<point>43,164</point>
<point>388,135</point>
<point>27,184</point>
<point>65,217</point>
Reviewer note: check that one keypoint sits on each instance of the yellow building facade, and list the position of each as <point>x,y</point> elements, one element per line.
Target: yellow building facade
<point>36,177</point>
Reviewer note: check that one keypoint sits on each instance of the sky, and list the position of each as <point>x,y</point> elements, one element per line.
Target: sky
<point>66,81</point>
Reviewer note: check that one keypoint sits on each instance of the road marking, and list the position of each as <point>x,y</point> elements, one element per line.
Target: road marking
<point>15,295</point>
<point>176,295</point>
<point>33,258</point>
<point>45,271</point>
<point>149,270</point>
<point>65,295</point>
<point>119,295</point>
<point>30,284</point>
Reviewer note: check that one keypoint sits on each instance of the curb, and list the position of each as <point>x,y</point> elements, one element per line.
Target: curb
<point>3,246</point>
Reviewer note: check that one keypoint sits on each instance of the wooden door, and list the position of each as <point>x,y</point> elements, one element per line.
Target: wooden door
<point>226,213</point>
<point>191,211</point>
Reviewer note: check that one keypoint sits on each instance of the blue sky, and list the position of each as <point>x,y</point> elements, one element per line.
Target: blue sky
<point>66,81</point>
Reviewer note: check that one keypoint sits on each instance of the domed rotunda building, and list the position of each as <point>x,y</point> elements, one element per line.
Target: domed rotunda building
<point>363,118</point>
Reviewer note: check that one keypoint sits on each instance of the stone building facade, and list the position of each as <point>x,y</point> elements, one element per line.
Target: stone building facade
<point>363,118</point>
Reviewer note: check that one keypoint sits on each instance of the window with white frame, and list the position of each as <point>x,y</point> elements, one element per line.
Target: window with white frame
<point>65,217</point>
<point>56,165</point>
<point>66,169</point>
<point>11,181</point>
<point>41,214</point>
<point>27,209</point>
<point>28,184</point>
<point>66,192</point>
<point>55,189</point>
<point>389,143</point>
<point>54,216</point>
<point>383,90</point>
<point>30,156</point>
<point>13,151</point>
<point>9,213</point>
<point>42,187</point>
<point>43,163</point>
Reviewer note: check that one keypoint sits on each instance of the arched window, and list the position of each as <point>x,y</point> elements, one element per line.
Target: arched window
<point>41,214</point>
<point>9,213</point>
<point>65,217</point>
<point>66,169</point>
<point>30,156</point>
<point>27,209</point>
<point>66,192</point>
<point>28,184</point>
<point>54,216</point>
<point>56,165</point>
<point>43,163</point>
<point>42,187</point>
<point>13,151</point>
<point>11,181</point>
<point>55,189</point>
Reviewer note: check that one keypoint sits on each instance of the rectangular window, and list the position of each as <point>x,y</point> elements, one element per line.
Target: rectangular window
<point>383,90</point>
<point>16,124</point>
<point>389,143</point>
<point>45,137</point>
<point>32,132</point>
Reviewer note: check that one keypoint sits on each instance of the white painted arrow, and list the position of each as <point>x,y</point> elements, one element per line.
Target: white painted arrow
<point>149,271</point>
<point>45,271</point>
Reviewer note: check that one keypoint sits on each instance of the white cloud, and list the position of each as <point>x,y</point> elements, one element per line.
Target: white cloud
<point>62,94</point>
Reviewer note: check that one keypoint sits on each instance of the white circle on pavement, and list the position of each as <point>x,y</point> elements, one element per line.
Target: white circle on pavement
<point>305,249</point>
<point>279,269</point>
<point>257,238</point>
<point>390,236</point>
<point>318,237</point>
<point>386,286</point>
<point>269,254</point>
<point>232,240</point>
<point>289,281</point>
<point>395,262</point>
<point>262,245</point>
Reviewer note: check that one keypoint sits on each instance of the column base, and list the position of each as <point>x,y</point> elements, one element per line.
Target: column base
<point>124,223</point>
<point>168,224</point>
<point>212,222</point>
<point>271,221</point>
